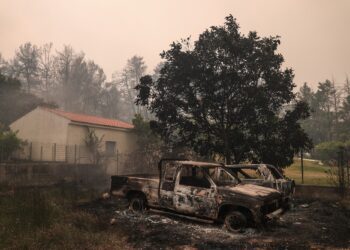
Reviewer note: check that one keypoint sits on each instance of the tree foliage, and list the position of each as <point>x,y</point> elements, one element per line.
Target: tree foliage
<point>330,112</point>
<point>79,81</point>
<point>74,82</point>
<point>14,102</point>
<point>9,142</point>
<point>46,69</point>
<point>329,150</point>
<point>225,96</point>
<point>127,80</point>
<point>26,64</point>
<point>147,139</point>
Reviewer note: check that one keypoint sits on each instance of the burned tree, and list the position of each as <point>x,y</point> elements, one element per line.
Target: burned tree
<point>26,64</point>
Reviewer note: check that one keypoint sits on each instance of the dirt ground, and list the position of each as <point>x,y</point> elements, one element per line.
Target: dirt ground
<point>308,225</point>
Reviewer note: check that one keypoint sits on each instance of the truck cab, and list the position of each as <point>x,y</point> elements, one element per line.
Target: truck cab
<point>264,175</point>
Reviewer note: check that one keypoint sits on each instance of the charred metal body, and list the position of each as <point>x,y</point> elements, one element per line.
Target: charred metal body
<point>264,175</point>
<point>200,189</point>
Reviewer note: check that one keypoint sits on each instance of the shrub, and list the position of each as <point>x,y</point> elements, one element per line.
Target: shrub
<point>9,142</point>
<point>328,151</point>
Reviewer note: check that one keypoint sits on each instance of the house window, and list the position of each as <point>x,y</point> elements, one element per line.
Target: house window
<point>110,147</point>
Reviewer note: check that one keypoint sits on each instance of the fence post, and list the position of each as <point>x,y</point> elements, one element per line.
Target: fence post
<point>75,153</point>
<point>76,183</point>
<point>117,161</point>
<point>29,172</point>
<point>54,152</point>
<point>341,171</point>
<point>342,174</point>
<point>41,153</point>
<point>30,150</point>
<point>347,168</point>
<point>346,165</point>
<point>2,173</point>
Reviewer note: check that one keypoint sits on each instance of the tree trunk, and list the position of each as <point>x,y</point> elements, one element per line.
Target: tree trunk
<point>228,158</point>
<point>227,151</point>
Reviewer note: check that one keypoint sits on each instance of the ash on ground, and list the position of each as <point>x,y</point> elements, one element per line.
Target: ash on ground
<point>308,224</point>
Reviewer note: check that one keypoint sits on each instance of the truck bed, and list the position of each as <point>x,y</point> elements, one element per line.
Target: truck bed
<point>123,185</point>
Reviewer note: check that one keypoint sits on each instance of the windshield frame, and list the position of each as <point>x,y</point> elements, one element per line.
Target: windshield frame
<point>236,179</point>
<point>241,167</point>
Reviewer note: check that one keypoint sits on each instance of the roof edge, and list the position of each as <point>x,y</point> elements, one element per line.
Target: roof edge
<point>98,126</point>
<point>66,114</point>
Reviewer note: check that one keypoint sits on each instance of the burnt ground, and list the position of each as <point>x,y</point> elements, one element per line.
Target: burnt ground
<point>308,225</point>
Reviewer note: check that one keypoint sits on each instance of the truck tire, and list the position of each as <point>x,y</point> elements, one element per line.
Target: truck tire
<point>235,222</point>
<point>137,203</point>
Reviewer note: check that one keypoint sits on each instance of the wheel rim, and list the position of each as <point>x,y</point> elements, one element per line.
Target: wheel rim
<point>235,222</point>
<point>136,205</point>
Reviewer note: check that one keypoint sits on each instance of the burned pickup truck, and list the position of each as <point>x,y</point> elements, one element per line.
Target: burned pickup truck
<point>264,175</point>
<point>200,189</point>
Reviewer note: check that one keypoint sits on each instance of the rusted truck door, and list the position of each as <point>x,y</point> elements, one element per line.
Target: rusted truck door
<point>195,192</point>
<point>167,186</point>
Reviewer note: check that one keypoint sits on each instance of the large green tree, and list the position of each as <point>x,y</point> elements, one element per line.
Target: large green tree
<point>226,96</point>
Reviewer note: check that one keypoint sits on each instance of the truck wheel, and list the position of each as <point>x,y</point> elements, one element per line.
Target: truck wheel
<point>235,222</point>
<point>137,203</point>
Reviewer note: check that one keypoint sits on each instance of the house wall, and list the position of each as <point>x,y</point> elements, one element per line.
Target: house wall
<point>126,142</point>
<point>46,132</point>
<point>40,125</point>
<point>125,139</point>
<point>55,138</point>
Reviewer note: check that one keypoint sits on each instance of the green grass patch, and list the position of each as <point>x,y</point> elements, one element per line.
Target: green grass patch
<point>314,173</point>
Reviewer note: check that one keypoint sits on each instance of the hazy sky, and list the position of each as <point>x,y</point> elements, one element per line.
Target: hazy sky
<point>315,34</point>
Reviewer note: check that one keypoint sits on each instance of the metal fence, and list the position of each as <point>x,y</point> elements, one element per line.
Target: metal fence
<point>137,162</point>
<point>50,152</point>
<point>46,174</point>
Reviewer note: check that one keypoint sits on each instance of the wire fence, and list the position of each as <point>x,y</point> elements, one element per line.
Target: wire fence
<point>49,155</point>
<point>47,174</point>
<point>48,152</point>
<point>118,163</point>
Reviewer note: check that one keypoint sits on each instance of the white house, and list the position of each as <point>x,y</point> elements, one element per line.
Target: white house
<point>56,135</point>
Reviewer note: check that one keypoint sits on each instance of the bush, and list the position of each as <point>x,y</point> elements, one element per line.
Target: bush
<point>336,154</point>
<point>328,151</point>
<point>9,142</point>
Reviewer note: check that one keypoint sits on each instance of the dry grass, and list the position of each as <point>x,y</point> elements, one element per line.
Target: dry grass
<point>48,219</point>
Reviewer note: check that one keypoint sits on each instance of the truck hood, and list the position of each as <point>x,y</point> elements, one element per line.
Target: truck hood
<point>255,191</point>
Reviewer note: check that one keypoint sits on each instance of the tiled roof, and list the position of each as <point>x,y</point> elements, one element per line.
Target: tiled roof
<point>90,119</point>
